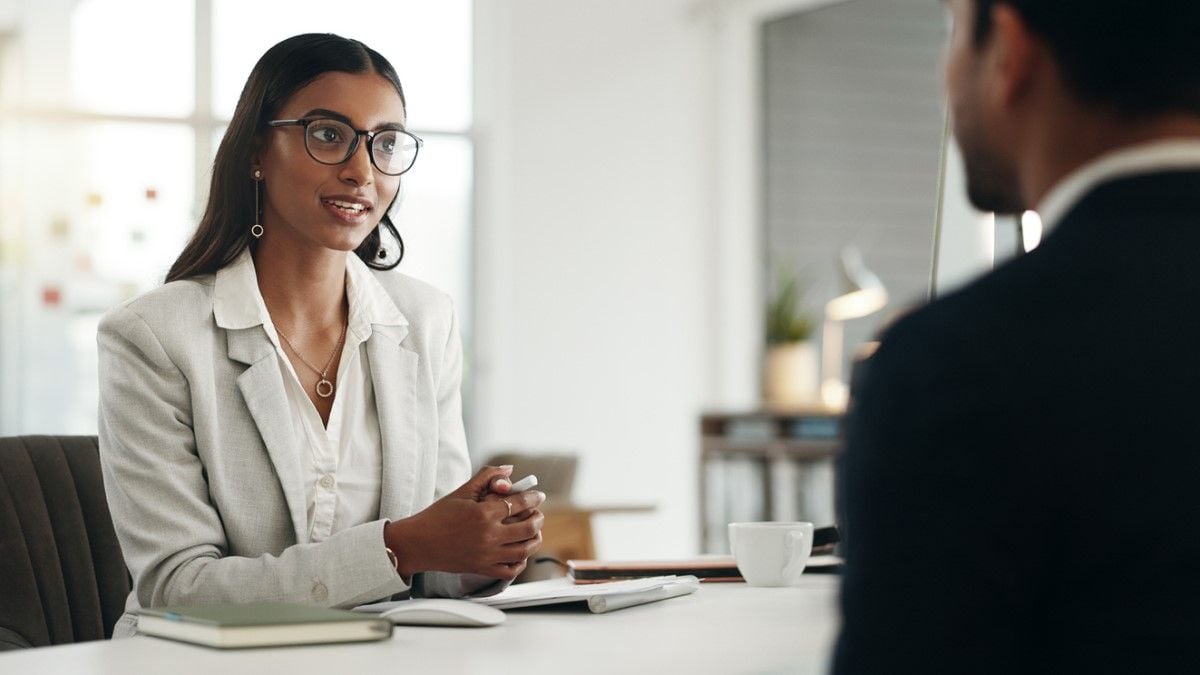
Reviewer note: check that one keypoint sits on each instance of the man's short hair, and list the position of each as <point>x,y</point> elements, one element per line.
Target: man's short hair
<point>1140,57</point>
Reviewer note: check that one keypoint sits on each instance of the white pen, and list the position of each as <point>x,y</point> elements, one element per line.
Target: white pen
<point>524,484</point>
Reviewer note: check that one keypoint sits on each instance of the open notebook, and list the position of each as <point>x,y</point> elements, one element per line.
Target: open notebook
<point>598,598</point>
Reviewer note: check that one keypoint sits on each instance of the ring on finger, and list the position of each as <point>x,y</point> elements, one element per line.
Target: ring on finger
<point>509,505</point>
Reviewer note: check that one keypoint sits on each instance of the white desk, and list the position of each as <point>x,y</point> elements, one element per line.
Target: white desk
<point>722,628</point>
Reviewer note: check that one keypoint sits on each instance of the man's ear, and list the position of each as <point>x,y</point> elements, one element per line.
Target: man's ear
<point>1016,54</point>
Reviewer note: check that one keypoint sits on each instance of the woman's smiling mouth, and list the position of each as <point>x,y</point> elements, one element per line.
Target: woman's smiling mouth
<point>347,208</point>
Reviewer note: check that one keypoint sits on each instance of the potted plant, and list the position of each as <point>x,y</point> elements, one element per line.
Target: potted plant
<point>790,378</point>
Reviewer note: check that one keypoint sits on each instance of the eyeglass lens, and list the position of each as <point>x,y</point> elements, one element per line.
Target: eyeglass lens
<point>331,142</point>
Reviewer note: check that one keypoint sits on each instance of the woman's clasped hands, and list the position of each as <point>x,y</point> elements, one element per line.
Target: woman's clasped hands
<point>480,528</point>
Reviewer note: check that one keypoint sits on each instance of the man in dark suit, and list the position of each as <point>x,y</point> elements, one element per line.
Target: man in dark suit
<point>1021,484</point>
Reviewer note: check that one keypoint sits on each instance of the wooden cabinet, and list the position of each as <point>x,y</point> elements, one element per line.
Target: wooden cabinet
<point>567,535</point>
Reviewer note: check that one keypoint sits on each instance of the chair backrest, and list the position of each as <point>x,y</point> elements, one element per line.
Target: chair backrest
<point>65,579</point>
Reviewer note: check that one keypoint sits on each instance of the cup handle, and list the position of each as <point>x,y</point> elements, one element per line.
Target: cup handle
<point>795,566</point>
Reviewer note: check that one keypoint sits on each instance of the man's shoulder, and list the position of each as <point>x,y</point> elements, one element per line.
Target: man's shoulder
<point>985,312</point>
<point>1167,192</point>
<point>1031,293</point>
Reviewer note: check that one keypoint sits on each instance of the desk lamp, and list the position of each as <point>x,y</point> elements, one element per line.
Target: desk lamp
<point>863,294</point>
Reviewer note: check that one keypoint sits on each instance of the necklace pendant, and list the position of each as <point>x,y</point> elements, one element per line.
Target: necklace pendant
<point>324,388</point>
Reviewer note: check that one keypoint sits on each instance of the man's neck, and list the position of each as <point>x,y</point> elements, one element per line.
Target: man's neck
<point>1071,141</point>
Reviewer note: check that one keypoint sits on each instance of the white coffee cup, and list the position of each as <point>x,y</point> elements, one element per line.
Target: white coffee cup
<point>771,554</point>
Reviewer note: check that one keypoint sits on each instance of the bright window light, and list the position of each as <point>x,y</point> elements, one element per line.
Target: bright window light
<point>151,72</point>
<point>429,43</point>
<point>128,157</point>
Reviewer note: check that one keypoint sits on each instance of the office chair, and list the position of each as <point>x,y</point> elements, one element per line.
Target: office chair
<point>65,579</point>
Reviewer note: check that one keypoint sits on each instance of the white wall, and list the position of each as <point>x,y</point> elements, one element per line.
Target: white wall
<point>594,243</point>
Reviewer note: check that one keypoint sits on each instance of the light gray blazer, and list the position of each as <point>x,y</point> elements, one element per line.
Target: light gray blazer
<point>203,473</point>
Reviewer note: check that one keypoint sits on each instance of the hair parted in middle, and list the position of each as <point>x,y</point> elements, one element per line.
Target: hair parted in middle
<point>230,209</point>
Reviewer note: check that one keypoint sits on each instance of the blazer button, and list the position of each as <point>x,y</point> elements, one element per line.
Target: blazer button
<point>319,592</point>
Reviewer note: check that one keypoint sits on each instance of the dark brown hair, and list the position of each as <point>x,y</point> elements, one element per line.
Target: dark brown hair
<point>224,229</point>
<point>1139,57</point>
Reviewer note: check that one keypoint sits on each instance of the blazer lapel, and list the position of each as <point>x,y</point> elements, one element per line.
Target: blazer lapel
<point>262,389</point>
<point>394,377</point>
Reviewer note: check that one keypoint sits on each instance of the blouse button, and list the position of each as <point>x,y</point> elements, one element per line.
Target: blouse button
<point>326,481</point>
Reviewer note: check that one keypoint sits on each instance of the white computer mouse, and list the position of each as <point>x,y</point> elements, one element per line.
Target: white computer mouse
<point>443,612</point>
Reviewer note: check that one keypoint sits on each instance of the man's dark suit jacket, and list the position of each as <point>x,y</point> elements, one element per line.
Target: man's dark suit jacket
<point>1021,483</point>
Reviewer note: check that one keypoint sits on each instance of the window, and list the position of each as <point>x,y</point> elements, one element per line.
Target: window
<point>107,136</point>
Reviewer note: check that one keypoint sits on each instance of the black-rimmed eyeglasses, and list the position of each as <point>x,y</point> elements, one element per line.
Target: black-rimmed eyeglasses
<point>330,141</point>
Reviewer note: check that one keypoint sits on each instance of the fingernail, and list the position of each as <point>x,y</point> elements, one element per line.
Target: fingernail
<point>506,467</point>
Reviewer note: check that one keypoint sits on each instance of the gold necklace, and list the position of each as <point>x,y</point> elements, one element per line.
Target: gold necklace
<point>324,386</point>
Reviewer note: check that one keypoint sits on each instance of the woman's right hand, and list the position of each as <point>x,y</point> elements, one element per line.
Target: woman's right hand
<point>470,531</point>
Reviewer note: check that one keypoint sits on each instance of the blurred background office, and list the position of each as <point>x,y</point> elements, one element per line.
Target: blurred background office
<point>612,192</point>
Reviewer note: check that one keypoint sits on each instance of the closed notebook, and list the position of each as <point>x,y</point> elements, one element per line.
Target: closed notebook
<point>260,625</point>
<point>705,568</point>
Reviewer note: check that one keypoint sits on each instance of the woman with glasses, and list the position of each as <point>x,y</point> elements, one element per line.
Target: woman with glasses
<point>281,420</point>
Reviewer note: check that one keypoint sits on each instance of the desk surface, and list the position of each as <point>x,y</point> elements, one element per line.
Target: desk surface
<point>722,628</point>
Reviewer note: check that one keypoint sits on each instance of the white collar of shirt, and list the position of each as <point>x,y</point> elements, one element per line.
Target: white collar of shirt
<point>1143,158</point>
<point>237,302</point>
<point>343,459</point>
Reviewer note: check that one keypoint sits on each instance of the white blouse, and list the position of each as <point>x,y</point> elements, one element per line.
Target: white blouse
<point>343,459</point>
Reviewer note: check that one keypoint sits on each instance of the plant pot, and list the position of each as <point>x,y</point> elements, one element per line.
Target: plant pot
<point>790,378</point>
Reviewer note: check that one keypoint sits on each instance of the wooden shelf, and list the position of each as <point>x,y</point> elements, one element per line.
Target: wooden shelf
<point>773,453</point>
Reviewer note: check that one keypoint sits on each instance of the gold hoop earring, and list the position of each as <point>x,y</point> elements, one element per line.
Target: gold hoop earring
<point>256,230</point>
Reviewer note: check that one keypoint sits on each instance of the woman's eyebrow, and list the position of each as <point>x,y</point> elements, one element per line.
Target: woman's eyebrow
<point>325,112</point>
<point>333,114</point>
